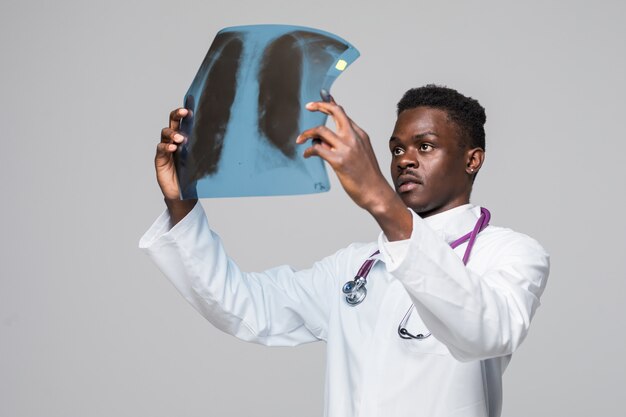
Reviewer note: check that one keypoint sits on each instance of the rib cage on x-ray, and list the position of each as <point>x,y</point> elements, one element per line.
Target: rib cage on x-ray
<point>247,105</point>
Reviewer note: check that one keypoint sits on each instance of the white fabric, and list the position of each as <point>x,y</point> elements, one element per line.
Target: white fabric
<point>478,314</point>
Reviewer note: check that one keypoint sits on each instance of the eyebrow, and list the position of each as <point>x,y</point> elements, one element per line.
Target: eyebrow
<point>416,137</point>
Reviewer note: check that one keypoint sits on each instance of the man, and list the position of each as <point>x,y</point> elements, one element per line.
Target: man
<point>434,335</point>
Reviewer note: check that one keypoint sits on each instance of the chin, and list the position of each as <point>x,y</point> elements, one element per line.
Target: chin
<point>416,204</point>
<point>422,211</point>
<point>421,207</point>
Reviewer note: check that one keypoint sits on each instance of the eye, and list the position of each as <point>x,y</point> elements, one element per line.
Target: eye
<point>397,151</point>
<point>426,147</point>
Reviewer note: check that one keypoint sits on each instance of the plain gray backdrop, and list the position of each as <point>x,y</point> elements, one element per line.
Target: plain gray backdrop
<point>89,327</point>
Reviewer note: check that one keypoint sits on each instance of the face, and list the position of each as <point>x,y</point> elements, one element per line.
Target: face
<point>430,162</point>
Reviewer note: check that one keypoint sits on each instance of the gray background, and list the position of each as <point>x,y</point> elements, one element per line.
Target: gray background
<point>89,327</point>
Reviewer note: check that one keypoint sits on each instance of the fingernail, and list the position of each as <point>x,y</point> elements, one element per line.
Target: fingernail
<point>178,136</point>
<point>325,95</point>
<point>309,104</point>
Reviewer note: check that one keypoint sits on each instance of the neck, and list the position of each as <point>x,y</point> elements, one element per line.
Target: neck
<point>431,211</point>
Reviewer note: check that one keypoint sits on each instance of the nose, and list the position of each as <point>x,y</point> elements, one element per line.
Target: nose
<point>407,161</point>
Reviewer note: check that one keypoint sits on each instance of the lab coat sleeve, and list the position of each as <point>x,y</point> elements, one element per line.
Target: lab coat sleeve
<point>477,316</point>
<point>279,307</point>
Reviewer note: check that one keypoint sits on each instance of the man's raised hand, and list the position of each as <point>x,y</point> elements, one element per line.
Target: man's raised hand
<point>171,138</point>
<point>164,159</point>
<point>349,152</point>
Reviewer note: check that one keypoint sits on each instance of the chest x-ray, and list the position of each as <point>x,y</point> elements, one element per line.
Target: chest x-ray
<point>247,108</point>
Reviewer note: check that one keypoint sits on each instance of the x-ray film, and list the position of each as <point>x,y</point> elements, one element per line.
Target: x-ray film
<point>247,108</point>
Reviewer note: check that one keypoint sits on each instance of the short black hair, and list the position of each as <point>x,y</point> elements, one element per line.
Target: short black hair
<point>466,112</point>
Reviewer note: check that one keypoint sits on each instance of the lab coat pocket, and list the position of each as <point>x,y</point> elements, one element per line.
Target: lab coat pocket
<point>421,341</point>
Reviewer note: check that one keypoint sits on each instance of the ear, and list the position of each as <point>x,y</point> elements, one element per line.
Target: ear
<point>474,160</point>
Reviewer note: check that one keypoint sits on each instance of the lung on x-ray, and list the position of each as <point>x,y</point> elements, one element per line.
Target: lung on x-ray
<point>247,108</point>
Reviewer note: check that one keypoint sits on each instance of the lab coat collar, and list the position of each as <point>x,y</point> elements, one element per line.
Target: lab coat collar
<point>450,225</point>
<point>454,223</point>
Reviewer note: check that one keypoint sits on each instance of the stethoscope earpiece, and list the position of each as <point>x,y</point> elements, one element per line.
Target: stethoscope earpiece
<point>356,292</point>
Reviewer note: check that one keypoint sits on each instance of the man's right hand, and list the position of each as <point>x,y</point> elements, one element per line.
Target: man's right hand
<point>171,138</point>
<point>164,159</point>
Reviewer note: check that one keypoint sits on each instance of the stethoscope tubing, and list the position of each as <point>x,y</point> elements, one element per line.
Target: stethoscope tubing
<point>355,290</point>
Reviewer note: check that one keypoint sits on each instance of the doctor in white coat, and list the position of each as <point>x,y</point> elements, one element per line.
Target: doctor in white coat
<point>441,317</point>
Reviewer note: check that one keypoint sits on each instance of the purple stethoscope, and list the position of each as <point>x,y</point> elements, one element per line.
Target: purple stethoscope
<point>355,290</point>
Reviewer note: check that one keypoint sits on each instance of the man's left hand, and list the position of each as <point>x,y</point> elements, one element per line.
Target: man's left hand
<point>350,154</point>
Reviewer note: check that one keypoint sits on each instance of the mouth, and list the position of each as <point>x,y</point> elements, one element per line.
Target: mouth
<point>407,182</point>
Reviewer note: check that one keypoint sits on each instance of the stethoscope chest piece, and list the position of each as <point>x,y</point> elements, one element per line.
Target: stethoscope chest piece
<point>355,291</point>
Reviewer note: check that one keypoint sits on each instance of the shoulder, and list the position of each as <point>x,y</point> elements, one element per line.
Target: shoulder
<point>346,258</point>
<point>501,247</point>
<point>504,239</point>
<point>357,250</point>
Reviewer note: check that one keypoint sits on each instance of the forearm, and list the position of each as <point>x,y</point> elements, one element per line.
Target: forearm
<point>477,312</point>
<point>178,209</point>
<point>481,323</point>
<point>391,214</point>
<point>274,307</point>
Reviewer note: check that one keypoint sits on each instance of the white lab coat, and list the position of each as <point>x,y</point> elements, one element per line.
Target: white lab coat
<point>478,314</point>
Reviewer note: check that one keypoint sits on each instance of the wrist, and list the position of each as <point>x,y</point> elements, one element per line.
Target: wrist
<point>170,192</point>
<point>392,215</point>
<point>383,200</point>
<point>178,208</point>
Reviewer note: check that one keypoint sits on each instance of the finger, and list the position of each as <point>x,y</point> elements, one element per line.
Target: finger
<point>176,116</point>
<point>320,132</point>
<point>325,95</point>
<point>334,110</point>
<point>165,149</point>
<point>322,151</point>
<point>171,136</point>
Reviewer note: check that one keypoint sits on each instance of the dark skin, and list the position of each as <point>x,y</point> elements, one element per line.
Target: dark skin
<point>432,166</point>
<point>166,171</point>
